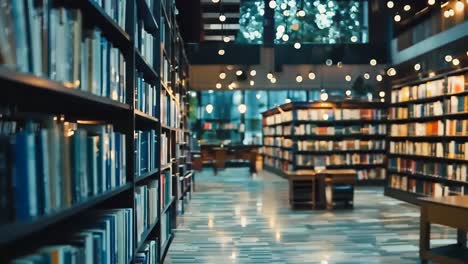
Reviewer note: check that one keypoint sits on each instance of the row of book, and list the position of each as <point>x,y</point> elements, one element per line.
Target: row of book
<point>278,153</point>
<point>278,164</point>
<point>454,84</point>
<point>145,97</point>
<point>452,149</point>
<point>149,254</point>
<point>427,188</point>
<point>452,171</point>
<point>432,128</point>
<point>146,207</point>
<point>342,145</point>
<point>53,43</point>
<point>277,141</point>
<point>222,126</point>
<point>367,129</point>
<point>340,114</point>
<point>146,149</point>
<point>116,9</point>
<point>164,150</point>
<point>108,240</point>
<point>338,159</point>
<point>169,111</point>
<point>278,118</point>
<point>455,104</point>
<point>449,127</point>
<point>145,44</point>
<point>372,174</point>
<point>52,164</point>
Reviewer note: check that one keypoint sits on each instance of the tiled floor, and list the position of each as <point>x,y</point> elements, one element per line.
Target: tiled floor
<point>238,218</point>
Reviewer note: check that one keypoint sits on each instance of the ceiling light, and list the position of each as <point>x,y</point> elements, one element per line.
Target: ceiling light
<point>366,76</point>
<point>373,62</point>
<point>221,52</point>
<point>252,82</point>
<point>285,37</point>
<point>448,58</point>
<point>382,93</point>
<point>407,8</point>
<point>446,14</point>
<point>417,67</point>
<point>219,86</point>
<point>253,72</point>
<point>222,18</point>
<point>459,6</point>
<point>297,45</point>
<point>215,1</point>
<point>239,72</point>
<point>272,4</point>
<point>379,77</point>
<point>209,108</point>
<point>226,39</point>
<point>456,62</point>
<point>339,64</point>
<point>431,2</point>
<point>222,75</point>
<point>391,72</point>
<point>242,108</point>
<point>348,78</point>
<point>193,94</point>
<point>397,18</point>
<point>258,96</point>
<point>348,92</point>
<point>323,96</point>
<point>299,78</point>
<point>329,62</point>
<point>283,6</point>
<point>287,100</point>
<point>311,75</point>
<point>301,13</point>
<point>451,12</point>
<point>270,76</point>
<point>354,39</point>
<point>390,4</point>
<point>273,80</point>
<point>230,67</point>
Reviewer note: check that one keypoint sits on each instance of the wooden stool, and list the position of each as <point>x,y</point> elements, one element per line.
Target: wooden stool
<point>304,189</point>
<point>338,186</point>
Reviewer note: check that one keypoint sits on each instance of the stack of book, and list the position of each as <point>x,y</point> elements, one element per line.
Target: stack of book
<point>145,97</point>
<point>109,240</point>
<point>145,152</point>
<point>146,204</point>
<point>53,43</point>
<point>52,164</point>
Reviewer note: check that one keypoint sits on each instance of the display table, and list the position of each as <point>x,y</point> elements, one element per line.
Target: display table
<point>339,186</point>
<point>305,189</point>
<point>449,211</point>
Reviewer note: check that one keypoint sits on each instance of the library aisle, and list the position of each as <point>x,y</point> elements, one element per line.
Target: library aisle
<point>238,218</point>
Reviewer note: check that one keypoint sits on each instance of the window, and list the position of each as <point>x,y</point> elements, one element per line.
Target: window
<point>251,22</point>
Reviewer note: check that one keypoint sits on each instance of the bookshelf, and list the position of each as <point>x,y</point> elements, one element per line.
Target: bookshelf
<point>428,137</point>
<point>94,138</point>
<point>332,135</point>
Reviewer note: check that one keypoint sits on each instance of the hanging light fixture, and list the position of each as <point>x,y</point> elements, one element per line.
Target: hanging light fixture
<point>311,75</point>
<point>299,78</point>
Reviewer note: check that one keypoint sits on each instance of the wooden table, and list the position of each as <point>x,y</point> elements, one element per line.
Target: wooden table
<point>337,177</point>
<point>217,156</point>
<point>304,188</point>
<point>449,211</point>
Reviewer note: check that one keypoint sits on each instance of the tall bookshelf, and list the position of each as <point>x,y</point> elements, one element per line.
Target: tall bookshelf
<point>428,137</point>
<point>109,85</point>
<point>332,135</point>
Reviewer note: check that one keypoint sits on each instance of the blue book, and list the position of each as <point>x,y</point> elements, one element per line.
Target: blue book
<point>118,164</point>
<point>43,173</point>
<point>24,178</point>
<point>93,152</point>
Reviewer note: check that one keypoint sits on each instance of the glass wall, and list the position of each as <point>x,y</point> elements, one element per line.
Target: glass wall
<point>321,21</point>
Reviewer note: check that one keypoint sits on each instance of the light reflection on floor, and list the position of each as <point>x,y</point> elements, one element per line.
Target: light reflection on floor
<point>237,218</point>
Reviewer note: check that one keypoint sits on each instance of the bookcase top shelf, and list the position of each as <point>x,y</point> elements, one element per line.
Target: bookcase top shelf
<point>428,177</point>
<point>431,118</point>
<point>439,76</point>
<point>428,99</point>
